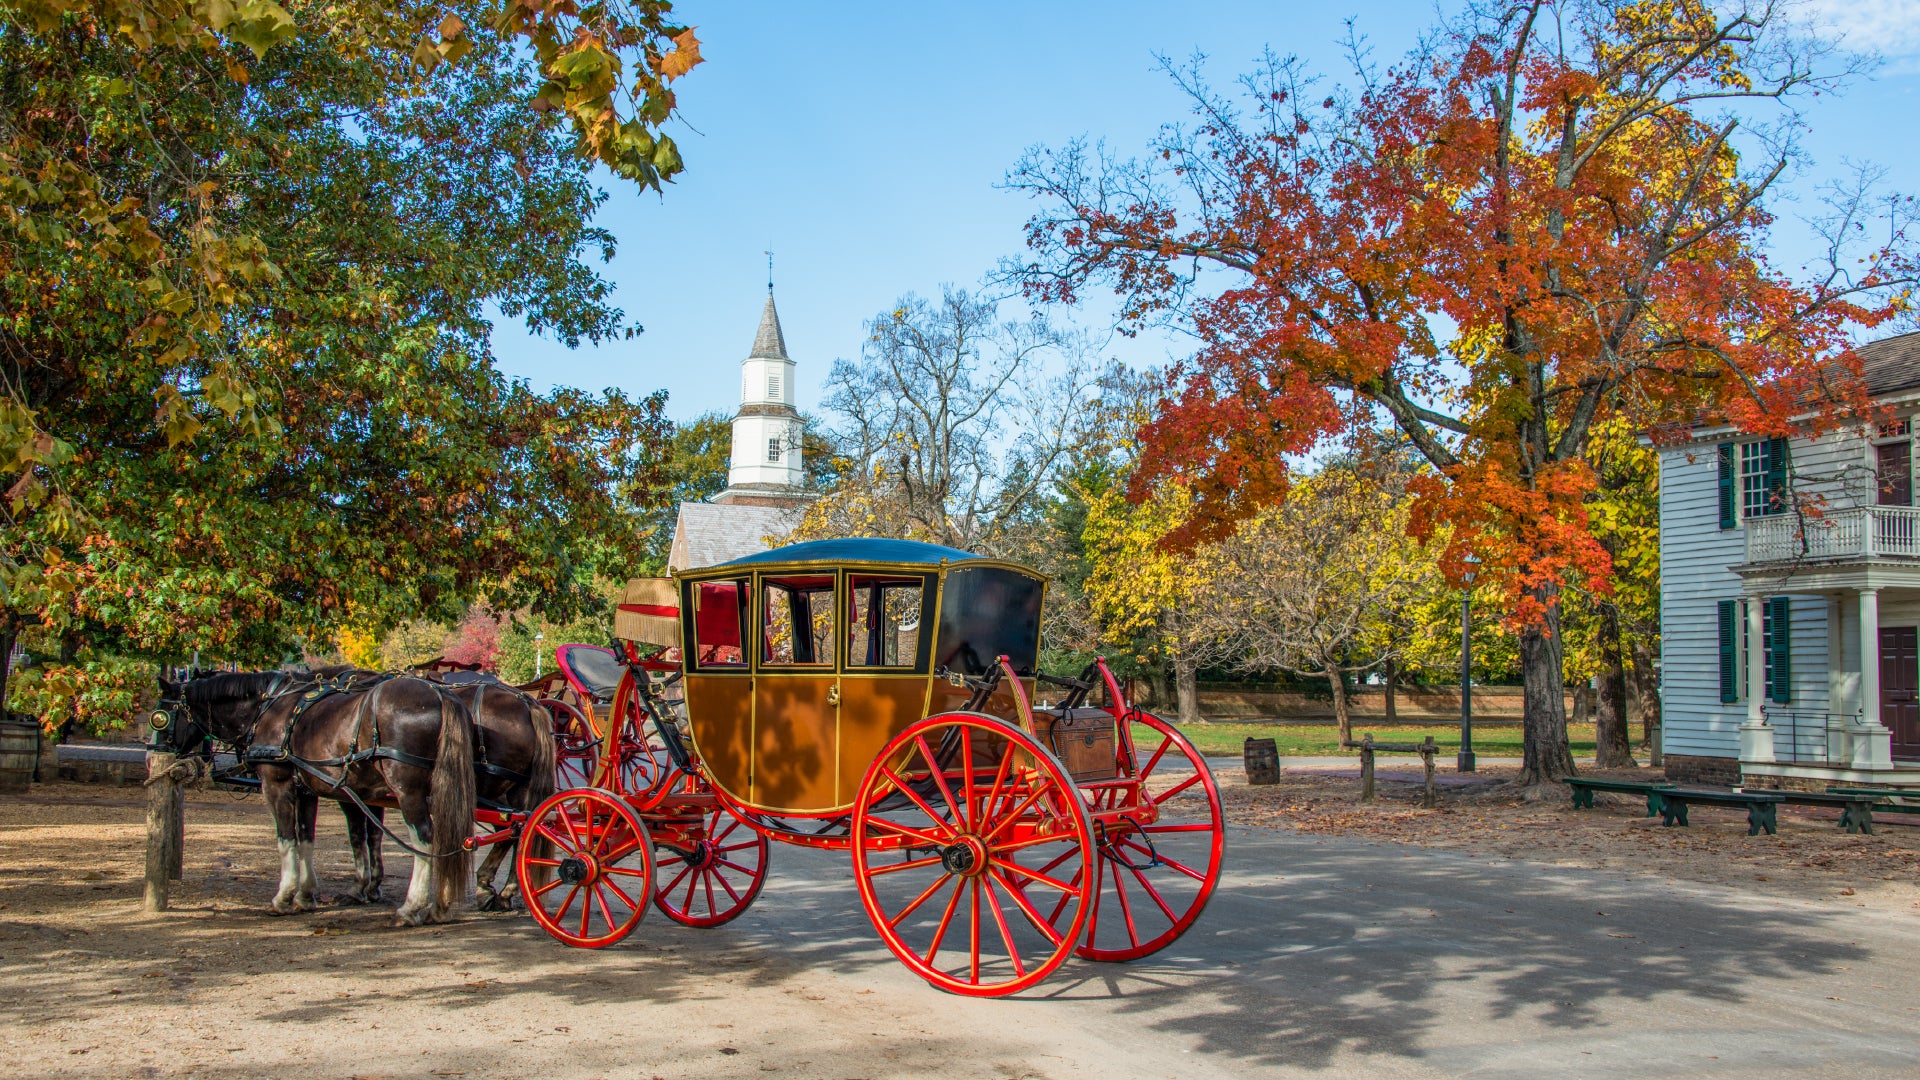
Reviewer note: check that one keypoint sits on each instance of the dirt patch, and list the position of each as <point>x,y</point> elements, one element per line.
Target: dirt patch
<point>1810,859</point>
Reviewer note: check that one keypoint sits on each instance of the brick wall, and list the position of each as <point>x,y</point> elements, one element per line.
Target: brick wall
<point>1691,769</point>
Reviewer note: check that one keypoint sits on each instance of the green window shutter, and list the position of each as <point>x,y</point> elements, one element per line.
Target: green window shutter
<point>1780,650</point>
<point>1728,507</point>
<point>1729,626</point>
<point>1776,476</point>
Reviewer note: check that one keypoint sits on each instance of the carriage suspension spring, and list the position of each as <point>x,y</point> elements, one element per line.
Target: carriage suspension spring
<point>1110,846</point>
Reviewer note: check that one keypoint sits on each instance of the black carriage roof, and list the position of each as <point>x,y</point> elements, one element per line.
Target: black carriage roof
<point>857,550</point>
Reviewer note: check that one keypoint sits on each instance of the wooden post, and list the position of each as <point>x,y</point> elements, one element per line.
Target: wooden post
<point>166,804</point>
<point>1366,767</point>
<point>1430,798</point>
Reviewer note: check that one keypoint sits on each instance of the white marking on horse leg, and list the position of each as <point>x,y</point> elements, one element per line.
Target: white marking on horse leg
<point>306,895</point>
<point>283,901</point>
<point>419,903</point>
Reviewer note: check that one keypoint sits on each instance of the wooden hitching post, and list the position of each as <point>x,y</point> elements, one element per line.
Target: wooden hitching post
<point>166,828</point>
<point>1430,798</point>
<point>1366,767</point>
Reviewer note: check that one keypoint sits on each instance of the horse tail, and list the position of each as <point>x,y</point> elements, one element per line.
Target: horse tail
<point>450,803</point>
<point>542,778</point>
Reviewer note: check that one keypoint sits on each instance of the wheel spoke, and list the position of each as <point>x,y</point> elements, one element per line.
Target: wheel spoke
<point>620,892</point>
<point>901,786</point>
<point>667,889</point>
<point>1000,921</point>
<point>966,772</point>
<point>722,879</point>
<point>1147,769</point>
<point>1156,830</point>
<point>1020,900</point>
<point>1155,893</point>
<point>909,832</point>
<point>1067,898</point>
<point>1032,841</point>
<point>946,918</point>
<point>894,868</point>
<point>566,903</point>
<point>1035,875</point>
<point>1176,789</point>
<point>548,887</point>
<point>1126,906</point>
<point>1009,819</point>
<point>939,774</point>
<point>973,968</point>
<point>1166,860</point>
<point>999,785</point>
<point>918,900</point>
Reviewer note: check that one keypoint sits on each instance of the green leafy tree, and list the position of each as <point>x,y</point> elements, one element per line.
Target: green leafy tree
<point>246,259</point>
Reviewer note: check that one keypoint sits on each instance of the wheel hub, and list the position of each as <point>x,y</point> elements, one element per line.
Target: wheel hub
<point>575,871</point>
<point>967,857</point>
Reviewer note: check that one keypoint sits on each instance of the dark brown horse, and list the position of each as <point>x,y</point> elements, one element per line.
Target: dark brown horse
<point>401,740</point>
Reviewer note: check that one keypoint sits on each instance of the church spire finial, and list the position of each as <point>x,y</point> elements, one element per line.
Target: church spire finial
<point>769,255</point>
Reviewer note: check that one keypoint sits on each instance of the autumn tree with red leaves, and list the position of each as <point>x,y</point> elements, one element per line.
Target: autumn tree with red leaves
<point>1545,217</point>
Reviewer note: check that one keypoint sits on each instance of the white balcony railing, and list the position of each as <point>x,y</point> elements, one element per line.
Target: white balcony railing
<point>1857,532</point>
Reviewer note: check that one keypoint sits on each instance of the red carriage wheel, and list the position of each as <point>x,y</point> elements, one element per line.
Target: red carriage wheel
<point>635,762</point>
<point>585,866</point>
<point>1159,865</point>
<point>576,748</point>
<point>950,825</point>
<point>713,879</point>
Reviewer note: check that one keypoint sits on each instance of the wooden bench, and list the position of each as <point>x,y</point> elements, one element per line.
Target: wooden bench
<point>1882,800</point>
<point>1759,805</point>
<point>1584,788</point>
<point>1856,810</point>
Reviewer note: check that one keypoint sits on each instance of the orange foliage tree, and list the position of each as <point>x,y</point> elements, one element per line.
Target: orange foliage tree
<point>1545,217</point>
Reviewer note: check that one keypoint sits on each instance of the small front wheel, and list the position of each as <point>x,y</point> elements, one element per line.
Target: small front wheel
<point>585,867</point>
<point>966,833</point>
<point>714,876</point>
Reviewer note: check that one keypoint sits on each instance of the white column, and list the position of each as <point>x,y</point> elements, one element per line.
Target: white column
<point>1837,711</point>
<point>1870,744</point>
<point>1756,737</point>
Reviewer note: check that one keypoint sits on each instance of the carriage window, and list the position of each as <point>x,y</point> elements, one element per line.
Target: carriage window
<point>987,612</point>
<point>796,619</point>
<point>719,608</point>
<point>883,627</point>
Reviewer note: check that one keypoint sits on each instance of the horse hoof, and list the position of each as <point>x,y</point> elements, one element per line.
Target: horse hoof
<point>404,917</point>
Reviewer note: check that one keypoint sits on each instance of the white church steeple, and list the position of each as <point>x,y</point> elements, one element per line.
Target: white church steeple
<point>766,430</point>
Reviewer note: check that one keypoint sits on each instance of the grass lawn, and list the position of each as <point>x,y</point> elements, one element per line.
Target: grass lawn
<point>1489,740</point>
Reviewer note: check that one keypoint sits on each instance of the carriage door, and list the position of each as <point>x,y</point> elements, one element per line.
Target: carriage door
<point>796,693</point>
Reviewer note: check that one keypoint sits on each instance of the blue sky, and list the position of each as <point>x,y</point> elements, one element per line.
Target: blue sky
<point>863,142</point>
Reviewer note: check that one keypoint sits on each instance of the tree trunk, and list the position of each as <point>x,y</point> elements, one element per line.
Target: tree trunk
<point>1582,703</point>
<point>1187,689</point>
<point>1342,714</point>
<point>1545,755</point>
<point>1389,683</point>
<point>1646,692</point>
<point>1612,749</point>
<point>9,633</point>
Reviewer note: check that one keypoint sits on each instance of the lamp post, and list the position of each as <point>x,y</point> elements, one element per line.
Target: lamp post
<point>1464,763</point>
<point>538,651</point>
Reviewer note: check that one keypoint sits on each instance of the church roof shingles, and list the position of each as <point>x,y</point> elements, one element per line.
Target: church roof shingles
<point>769,343</point>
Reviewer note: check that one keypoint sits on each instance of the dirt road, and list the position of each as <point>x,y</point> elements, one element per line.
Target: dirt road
<point>1323,954</point>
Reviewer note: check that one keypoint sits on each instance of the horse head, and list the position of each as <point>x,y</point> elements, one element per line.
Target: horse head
<point>222,705</point>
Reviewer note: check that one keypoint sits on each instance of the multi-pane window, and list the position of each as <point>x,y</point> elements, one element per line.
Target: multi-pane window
<point>773,449</point>
<point>1756,492</point>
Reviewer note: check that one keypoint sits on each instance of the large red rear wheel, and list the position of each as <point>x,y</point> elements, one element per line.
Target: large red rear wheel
<point>950,823</point>
<point>585,867</point>
<point>1159,864</point>
<point>715,878</point>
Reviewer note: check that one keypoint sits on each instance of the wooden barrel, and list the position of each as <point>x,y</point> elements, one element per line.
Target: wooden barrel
<point>19,752</point>
<point>1263,761</point>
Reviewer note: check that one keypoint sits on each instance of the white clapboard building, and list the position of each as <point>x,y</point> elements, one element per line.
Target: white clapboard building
<point>1790,598</point>
<point>764,496</point>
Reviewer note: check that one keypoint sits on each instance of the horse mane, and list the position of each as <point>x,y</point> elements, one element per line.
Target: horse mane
<point>230,686</point>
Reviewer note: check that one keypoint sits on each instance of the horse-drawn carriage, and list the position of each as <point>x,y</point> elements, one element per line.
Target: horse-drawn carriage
<point>882,697</point>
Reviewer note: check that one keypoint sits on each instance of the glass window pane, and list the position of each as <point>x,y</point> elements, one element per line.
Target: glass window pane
<point>884,628</point>
<point>796,619</point>
<point>717,610</point>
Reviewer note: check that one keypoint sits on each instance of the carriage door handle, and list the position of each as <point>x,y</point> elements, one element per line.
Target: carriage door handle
<point>833,695</point>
